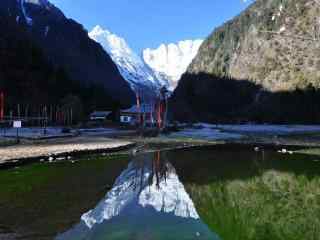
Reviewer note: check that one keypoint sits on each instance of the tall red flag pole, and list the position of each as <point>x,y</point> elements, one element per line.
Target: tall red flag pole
<point>1,105</point>
<point>139,107</point>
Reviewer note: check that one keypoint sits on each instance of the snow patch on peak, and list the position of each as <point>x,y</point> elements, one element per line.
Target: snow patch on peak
<point>24,12</point>
<point>115,44</point>
<point>40,3</point>
<point>172,60</point>
<point>97,30</point>
<point>130,65</point>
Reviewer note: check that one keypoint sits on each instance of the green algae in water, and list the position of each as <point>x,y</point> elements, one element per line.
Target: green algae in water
<point>238,194</point>
<point>48,198</point>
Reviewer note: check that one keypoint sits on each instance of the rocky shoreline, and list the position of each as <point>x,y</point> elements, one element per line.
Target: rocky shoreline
<point>67,149</point>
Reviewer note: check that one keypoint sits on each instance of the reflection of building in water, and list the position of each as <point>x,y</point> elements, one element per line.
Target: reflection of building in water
<point>147,183</point>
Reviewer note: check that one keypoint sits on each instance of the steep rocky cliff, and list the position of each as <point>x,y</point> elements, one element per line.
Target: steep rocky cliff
<point>274,45</point>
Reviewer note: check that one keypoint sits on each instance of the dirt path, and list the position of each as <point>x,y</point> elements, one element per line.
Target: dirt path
<point>60,147</point>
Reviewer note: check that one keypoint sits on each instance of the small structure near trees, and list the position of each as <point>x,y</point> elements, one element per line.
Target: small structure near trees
<point>152,114</point>
<point>100,115</point>
<point>138,115</point>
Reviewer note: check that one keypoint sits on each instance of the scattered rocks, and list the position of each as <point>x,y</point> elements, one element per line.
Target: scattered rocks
<point>50,151</point>
<point>285,151</point>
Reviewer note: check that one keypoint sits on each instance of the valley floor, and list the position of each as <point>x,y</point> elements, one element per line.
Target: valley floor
<point>36,146</point>
<point>296,135</point>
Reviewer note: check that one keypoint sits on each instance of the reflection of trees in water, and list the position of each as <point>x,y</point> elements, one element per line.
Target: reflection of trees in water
<point>276,205</point>
<point>255,195</point>
<point>157,167</point>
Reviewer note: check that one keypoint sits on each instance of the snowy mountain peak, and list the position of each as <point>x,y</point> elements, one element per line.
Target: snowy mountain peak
<point>130,65</point>
<point>156,68</point>
<point>111,42</point>
<point>97,30</point>
<point>172,60</point>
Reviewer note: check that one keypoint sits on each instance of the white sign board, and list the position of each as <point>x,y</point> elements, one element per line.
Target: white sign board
<point>17,124</point>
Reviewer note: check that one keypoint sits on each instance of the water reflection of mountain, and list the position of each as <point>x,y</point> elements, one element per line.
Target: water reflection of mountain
<point>147,201</point>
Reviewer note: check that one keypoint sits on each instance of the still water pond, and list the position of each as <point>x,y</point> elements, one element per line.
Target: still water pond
<point>179,195</point>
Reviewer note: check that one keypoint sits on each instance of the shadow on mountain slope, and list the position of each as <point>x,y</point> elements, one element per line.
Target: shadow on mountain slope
<point>205,97</point>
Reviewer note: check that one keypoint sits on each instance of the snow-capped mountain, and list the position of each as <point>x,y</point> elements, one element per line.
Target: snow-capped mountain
<point>156,68</point>
<point>171,61</point>
<point>139,75</point>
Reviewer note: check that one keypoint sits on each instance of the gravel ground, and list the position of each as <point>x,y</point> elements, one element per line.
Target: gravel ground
<point>66,146</point>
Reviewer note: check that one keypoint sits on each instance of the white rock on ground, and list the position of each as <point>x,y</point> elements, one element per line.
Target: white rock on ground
<point>77,144</point>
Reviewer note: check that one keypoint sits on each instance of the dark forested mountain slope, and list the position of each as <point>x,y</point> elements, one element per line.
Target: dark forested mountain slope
<point>264,65</point>
<point>45,56</point>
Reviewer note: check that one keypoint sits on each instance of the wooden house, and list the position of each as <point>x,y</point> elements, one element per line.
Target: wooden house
<point>143,115</point>
<point>100,115</point>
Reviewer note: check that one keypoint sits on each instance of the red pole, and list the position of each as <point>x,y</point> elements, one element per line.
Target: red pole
<point>159,115</point>
<point>1,106</point>
<point>138,108</point>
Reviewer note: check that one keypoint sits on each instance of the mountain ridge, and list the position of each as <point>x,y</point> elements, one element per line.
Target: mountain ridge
<point>154,68</point>
<point>64,44</point>
<point>267,56</point>
<point>266,44</point>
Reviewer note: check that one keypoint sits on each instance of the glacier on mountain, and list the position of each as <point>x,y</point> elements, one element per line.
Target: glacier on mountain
<point>172,60</point>
<point>131,66</point>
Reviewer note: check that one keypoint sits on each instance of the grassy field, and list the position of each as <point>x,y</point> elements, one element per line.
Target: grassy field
<point>272,206</point>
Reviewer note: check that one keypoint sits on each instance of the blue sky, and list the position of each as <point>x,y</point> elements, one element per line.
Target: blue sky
<point>148,23</point>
